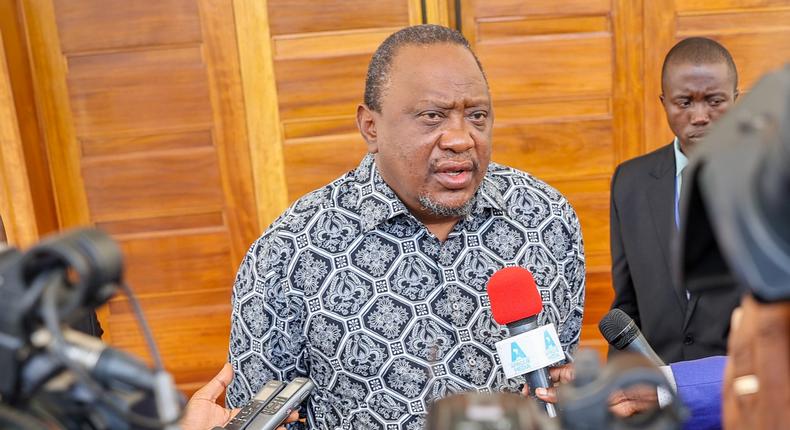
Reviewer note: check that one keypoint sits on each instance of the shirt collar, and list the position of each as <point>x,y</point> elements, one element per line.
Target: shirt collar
<point>680,158</point>
<point>367,177</point>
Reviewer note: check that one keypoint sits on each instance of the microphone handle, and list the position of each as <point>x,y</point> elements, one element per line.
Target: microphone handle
<point>640,346</point>
<point>537,378</point>
<point>540,379</point>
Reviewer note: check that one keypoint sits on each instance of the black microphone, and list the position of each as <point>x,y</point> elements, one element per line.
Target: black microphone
<point>622,333</point>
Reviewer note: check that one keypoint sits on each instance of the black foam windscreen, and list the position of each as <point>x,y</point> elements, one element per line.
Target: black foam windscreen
<point>618,328</point>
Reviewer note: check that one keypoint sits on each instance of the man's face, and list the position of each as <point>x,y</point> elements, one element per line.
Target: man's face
<point>432,138</point>
<point>695,96</point>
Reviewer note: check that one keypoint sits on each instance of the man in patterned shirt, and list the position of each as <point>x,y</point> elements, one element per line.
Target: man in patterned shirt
<point>375,285</point>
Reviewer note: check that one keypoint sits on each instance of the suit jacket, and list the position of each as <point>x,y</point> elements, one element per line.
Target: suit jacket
<point>642,230</point>
<point>699,385</point>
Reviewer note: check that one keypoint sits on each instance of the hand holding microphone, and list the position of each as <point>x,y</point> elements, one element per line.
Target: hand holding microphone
<point>516,303</point>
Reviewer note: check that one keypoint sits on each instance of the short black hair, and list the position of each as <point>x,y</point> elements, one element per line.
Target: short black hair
<point>381,63</point>
<point>698,50</point>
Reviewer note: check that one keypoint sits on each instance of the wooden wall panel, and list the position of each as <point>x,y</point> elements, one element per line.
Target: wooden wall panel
<point>151,184</point>
<point>108,24</point>
<point>305,16</point>
<point>541,67</point>
<point>198,325</point>
<point>320,87</point>
<point>311,159</point>
<point>557,150</point>
<point>15,47</point>
<point>17,219</point>
<point>113,93</point>
<point>150,98</point>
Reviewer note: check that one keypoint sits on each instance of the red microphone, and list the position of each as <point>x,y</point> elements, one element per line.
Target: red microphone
<point>516,303</point>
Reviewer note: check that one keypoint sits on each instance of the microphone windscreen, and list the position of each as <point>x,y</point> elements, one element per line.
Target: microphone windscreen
<point>513,295</point>
<point>618,328</point>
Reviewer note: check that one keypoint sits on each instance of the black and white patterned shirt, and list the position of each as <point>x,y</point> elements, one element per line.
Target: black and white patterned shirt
<point>348,287</point>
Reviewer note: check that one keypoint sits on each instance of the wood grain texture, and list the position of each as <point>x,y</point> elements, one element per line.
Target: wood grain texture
<point>627,96</point>
<point>229,123</point>
<point>320,87</point>
<point>152,183</point>
<point>557,150</point>
<point>158,138</point>
<point>264,129</point>
<point>99,85</point>
<point>311,160</point>
<point>330,43</point>
<point>124,24</point>
<point>52,100</point>
<point>520,27</point>
<point>16,203</point>
<point>305,16</point>
<point>15,47</point>
<point>548,67</point>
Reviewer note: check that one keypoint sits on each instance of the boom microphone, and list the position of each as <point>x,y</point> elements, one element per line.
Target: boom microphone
<point>515,302</point>
<point>622,333</point>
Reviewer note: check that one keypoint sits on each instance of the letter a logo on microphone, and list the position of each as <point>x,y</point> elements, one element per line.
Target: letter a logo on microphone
<point>516,353</point>
<point>551,347</point>
<point>517,356</point>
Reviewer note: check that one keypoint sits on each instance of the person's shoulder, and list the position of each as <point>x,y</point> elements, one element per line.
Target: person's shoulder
<point>645,163</point>
<point>303,210</point>
<point>510,180</point>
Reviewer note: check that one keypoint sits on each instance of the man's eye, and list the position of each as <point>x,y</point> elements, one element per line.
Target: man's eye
<point>715,102</point>
<point>433,116</point>
<point>479,116</point>
<point>684,103</point>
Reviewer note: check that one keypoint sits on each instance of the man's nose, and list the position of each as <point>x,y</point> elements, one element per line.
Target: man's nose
<point>457,137</point>
<point>700,114</point>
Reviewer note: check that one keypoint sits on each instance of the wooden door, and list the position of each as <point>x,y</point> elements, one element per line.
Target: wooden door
<point>143,114</point>
<point>565,84</point>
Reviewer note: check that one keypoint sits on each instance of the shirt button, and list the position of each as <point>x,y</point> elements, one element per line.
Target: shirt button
<point>688,340</point>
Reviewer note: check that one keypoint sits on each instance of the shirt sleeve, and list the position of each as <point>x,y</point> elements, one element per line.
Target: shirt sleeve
<point>266,340</point>
<point>571,306</point>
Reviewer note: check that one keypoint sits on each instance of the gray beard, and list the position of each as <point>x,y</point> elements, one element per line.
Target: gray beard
<point>442,211</point>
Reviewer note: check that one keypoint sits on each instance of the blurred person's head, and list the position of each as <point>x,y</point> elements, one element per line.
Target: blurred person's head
<point>699,82</point>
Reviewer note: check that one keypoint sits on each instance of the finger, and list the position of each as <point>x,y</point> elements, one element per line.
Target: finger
<point>548,395</point>
<point>232,413</point>
<point>216,386</point>
<point>562,374</point>
<point>293,417</point>
<point>735,319</point>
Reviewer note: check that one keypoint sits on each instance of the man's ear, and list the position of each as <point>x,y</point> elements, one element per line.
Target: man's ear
<point>366,122</point>
<point>735,95</point>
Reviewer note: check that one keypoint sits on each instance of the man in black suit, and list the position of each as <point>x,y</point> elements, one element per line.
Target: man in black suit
<point>699,82</point>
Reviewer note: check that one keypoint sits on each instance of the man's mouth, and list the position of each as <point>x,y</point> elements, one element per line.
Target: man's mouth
<point>455,175</point>
<point>697,135</point>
